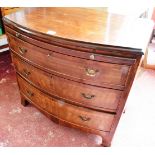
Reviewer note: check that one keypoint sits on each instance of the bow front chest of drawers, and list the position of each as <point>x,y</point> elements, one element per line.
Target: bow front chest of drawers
<point>76,65</point>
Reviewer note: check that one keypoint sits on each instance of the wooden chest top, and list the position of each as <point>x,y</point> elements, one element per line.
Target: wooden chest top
<point>90,25</point>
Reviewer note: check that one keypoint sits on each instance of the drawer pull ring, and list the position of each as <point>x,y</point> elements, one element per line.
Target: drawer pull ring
<point>84,118</point>
<point>30,94</point>
<point>87,96</point>
<point>17,34</point>
<point>22,50</point>
<point>91,72</point>
<point>26,73</point>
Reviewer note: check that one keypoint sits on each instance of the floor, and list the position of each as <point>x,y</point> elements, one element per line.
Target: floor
<point>26,126</point>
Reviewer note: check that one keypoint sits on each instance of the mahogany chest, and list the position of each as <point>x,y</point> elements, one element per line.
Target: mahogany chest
<point>76,65</point>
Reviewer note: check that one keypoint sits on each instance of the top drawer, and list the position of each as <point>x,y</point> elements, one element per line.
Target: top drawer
<point>82,70</point>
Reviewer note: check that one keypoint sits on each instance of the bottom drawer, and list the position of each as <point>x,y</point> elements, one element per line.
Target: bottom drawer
<point>82,117</point>
<point>37,97</point>
<point>85,117</point>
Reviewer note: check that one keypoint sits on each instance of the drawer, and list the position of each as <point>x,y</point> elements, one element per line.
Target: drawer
<point>86,95</point>
<point>84,117</point>
<point>34,75</point>
<point>82,70</point>
<point>37,97</point>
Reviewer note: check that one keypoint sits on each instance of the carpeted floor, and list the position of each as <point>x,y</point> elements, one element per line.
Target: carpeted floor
<point>26,126</point>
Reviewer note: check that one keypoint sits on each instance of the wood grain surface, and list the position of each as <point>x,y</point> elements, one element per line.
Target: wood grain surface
<point>86,24</point>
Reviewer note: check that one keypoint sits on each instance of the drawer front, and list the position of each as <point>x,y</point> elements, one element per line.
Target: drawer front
<point>34,75</point>
<point>85,117</point>
<point>86,95</point>
<point>37,97</point>
<point>82,70</point>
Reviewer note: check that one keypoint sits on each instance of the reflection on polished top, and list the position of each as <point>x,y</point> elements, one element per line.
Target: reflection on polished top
<point>87,25</point>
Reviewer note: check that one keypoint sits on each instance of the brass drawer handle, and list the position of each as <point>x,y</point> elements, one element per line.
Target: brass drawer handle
<point>26,73</point>
<point>22,50</point>
<point>84,118</point>
<point>87,96</point>
<point>18,35</point>
<point>29,93</point>
<point>91,72</point>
